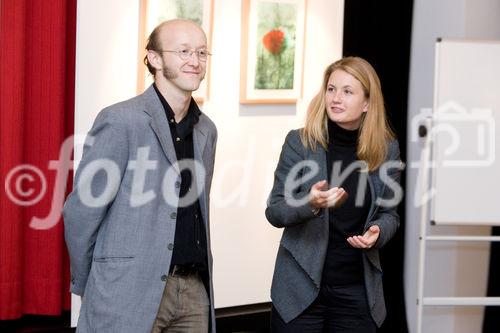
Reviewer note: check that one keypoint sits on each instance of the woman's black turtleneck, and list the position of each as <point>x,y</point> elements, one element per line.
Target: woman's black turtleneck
<point>343,263</point>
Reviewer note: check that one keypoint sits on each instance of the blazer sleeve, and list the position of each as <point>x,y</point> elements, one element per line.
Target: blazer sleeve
<point>387,217</point>
<point>106,147</point>
<point>282,208</point>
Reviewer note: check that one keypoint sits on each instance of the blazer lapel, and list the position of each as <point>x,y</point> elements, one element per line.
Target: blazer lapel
<point>314,233</point>
<point>199,140</point>
<point>199,143</point>
<point>376,190</point>
<point>160,126</point>
<point>320,158</point>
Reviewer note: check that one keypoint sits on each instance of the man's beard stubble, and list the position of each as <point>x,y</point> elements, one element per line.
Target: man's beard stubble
<point>170,75</point>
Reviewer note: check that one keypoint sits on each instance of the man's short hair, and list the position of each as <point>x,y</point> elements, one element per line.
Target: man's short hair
<point>153,44</point>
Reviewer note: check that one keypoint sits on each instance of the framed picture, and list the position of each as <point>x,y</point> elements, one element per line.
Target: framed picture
<point>152,13</point>
<point>272,51</point>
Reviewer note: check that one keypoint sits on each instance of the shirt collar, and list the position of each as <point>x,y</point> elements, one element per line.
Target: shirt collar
<point>192,116</point>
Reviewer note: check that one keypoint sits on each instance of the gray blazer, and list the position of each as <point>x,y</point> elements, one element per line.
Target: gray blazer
<point>302,250</point>
<point>119,251</point>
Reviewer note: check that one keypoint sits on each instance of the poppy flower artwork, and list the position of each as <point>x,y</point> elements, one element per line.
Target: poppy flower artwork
<point>275,62</point>
<point>272,57</point>
<point>274,41</point>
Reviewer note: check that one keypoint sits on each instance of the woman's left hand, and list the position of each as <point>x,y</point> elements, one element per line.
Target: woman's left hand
<point>367,240</point>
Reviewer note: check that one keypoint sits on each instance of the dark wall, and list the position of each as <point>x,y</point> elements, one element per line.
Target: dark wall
<point>380,32</point>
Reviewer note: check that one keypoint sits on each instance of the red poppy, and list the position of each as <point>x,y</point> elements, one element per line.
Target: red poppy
<point>273,41</point>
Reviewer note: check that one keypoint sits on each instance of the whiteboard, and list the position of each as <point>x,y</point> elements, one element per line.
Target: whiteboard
<point>465,133</point>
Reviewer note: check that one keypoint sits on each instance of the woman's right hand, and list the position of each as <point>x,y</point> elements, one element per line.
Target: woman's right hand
<point>322,197</point>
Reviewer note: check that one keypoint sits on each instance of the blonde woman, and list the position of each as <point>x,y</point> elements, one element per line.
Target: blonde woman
<point>335,194</point>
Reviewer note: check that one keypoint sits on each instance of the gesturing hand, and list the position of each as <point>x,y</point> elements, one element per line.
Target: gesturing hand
<point>367,240</point>
<point>322,197</point>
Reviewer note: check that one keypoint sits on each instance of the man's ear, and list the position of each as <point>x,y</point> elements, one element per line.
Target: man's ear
<point>154,59</point>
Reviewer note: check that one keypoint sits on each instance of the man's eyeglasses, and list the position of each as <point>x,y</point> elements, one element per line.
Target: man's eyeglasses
<point>186,54</point>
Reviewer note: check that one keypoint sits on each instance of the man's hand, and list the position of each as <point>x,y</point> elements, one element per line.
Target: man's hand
<point>367,240</point>
<point>322,197</point>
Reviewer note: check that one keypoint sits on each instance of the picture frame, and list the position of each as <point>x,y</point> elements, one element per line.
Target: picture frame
<point>152,13</point>
<point>272,51</point>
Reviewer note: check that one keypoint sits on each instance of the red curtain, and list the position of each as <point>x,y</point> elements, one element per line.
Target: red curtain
<point>37,61</point>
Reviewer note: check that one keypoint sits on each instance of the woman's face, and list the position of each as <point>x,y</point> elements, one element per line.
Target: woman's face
<point>345,100</point>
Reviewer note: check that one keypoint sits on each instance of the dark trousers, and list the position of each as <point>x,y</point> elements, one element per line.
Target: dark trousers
<point>339,309</point>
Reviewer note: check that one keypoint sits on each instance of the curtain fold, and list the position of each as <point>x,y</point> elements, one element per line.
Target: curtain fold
<point>37,61</point>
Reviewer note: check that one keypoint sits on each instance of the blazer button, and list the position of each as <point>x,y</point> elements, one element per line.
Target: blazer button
<point>164,277</point>
<point>173,216</point>
<point>170,246</point>
<point>177,184</point>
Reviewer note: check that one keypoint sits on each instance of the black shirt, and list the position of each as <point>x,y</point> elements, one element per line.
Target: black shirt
<point>343,263</point>
<point>190,244</point>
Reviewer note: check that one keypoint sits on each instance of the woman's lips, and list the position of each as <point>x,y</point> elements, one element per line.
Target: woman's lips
<point>336,109</point>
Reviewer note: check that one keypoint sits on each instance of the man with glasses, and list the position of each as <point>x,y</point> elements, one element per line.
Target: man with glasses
<point>140,256</point>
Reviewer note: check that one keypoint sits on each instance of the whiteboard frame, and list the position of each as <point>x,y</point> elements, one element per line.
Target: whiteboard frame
<point>427,180</point>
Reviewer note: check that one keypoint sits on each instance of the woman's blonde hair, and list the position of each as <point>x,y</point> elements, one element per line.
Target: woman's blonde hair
<point>374,131</point>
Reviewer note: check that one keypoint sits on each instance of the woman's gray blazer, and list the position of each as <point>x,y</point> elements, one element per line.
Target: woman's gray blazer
<point>302,250</point>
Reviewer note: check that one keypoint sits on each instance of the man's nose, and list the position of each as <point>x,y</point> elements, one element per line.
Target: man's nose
<point>193,59</point>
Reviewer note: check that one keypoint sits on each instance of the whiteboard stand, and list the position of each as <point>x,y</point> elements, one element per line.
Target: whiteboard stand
<point>425,165</point>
